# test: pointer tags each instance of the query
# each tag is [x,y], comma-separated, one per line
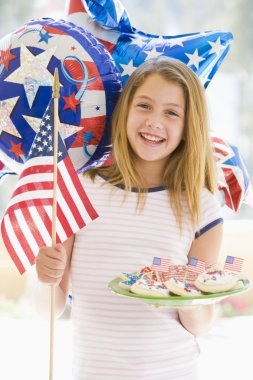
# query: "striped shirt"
[116,338]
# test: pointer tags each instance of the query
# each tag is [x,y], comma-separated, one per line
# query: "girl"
[155,200]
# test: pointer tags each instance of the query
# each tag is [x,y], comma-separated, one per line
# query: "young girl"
[157,199]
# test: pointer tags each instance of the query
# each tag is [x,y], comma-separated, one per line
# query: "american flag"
[160,264]
[196,265]
[233,263]
[27,222]
[193,269]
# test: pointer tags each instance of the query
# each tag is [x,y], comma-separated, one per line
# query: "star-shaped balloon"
[109,22]
[233,177]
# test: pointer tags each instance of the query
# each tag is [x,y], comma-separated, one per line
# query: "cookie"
[129,279]
[182,288]
[216,281]
[148,287]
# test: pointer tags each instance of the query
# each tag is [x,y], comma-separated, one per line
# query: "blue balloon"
[109,22]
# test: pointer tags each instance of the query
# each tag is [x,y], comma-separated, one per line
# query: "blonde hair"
[191,166]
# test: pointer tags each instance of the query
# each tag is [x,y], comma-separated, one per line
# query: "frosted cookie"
[238,285]
[182,288]
[216,281]
[129,279]
[148,287]
[145,270]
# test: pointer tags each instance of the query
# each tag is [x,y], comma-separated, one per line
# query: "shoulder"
[210,212]
[208,198]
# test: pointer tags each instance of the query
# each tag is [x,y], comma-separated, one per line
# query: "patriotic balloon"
[233,177]
[90,85]
[202,52]
[109,22]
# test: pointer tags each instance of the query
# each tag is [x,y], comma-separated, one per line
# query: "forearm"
[197,320]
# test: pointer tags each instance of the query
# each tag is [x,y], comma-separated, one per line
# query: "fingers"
[50,264]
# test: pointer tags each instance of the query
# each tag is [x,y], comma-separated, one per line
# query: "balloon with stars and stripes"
[109,22]
[89,87]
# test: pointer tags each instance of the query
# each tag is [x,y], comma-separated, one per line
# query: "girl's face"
[155,124]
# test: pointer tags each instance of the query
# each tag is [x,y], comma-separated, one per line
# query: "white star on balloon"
[150,53]
[194,59]
[177,41]
[137,41]
[32,72]
[66,130]
[6,124]
[128,69]
[217,47]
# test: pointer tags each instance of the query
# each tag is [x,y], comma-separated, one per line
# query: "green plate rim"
[113,286]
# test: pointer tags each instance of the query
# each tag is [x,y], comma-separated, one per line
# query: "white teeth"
[151,138]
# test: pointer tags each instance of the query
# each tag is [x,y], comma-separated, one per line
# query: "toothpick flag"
[160,265]
[27,222]
[196,265]
[233,263]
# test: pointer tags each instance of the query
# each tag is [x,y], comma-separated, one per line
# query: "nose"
[153,123]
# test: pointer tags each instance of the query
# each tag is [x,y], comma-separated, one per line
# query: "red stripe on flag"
[34,186]
[10,249]
[64,222]
[70,201]
[22,239]
[83,196]
[36,170]
[35,232]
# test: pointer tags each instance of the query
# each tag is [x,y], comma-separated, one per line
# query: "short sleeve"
[210,213]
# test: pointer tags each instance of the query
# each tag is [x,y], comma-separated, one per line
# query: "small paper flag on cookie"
[160,265]
[196,265]
[233,263]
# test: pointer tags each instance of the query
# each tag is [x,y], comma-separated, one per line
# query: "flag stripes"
[27,223]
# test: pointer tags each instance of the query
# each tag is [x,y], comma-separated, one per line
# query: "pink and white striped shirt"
[117,338]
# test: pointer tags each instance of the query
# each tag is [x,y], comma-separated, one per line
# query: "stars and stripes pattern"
[161,265]
[90,86]
[233,177]
[233,264]
[196,265]
[27,222]
[109,21]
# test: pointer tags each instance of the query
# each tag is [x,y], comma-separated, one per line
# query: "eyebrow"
[144,97]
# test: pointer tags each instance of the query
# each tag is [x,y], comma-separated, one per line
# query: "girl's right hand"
[50,264]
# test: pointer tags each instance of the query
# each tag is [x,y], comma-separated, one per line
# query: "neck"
[152,174]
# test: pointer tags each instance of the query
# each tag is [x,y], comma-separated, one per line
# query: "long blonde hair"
[191,166]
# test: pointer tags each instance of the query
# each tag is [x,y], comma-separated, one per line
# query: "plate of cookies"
[179,286]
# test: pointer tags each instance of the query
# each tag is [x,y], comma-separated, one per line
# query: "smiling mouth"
[151,138]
